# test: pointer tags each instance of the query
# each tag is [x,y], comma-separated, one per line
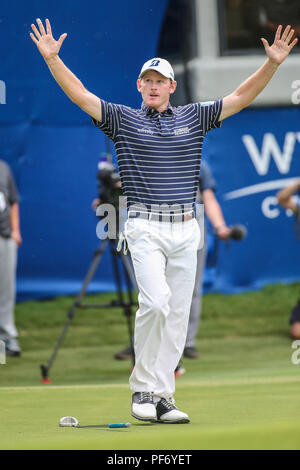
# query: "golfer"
[159,152]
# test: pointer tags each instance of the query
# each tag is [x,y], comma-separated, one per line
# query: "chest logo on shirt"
[182,131]
[145,130]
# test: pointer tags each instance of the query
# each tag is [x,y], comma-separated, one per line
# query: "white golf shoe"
[142,406]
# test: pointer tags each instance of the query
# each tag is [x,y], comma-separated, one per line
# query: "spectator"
[213,211]
[289,198]
[10,239]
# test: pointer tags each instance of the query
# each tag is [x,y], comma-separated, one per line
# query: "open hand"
[282,45]
[45,42]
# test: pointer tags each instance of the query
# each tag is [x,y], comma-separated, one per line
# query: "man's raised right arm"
[70,84]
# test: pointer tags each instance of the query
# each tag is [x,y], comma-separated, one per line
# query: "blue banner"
[254,155]
[50,144]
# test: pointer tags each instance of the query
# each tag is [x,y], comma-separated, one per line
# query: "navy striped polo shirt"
[159,154]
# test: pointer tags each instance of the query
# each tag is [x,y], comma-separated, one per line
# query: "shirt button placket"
[164,129]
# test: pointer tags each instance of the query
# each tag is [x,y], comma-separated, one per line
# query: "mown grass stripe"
[204,383]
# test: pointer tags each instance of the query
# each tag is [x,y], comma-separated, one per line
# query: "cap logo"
[155,63]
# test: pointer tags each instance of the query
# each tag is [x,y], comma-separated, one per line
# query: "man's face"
[156,90]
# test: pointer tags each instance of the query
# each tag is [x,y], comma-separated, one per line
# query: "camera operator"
[289,198]
[109,187]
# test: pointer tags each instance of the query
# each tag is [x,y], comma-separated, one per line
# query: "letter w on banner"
[270,147]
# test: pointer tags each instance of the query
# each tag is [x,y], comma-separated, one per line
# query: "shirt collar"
[153,112]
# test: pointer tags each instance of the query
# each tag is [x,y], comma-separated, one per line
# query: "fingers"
[41,27]
[36,32]
[33,38]
[278,32]
[41,32]
[265,43]
[288,34]
[285,33]
[293,43]
[48,26]
[62,38]
[291,34]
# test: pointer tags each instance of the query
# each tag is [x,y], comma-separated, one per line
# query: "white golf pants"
[164,257]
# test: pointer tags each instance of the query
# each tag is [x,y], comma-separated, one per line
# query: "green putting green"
[241,393]
[228,414]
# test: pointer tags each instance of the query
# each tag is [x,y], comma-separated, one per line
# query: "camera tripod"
[117,258]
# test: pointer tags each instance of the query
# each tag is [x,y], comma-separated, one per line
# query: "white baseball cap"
[159,65]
